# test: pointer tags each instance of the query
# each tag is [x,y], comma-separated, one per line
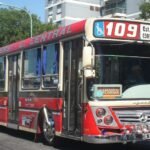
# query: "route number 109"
[121,30]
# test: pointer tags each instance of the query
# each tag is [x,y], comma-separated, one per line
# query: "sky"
[34,6]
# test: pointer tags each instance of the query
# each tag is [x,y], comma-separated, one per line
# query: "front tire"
[49,130]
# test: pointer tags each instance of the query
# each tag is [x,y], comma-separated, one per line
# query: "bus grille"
[133,116]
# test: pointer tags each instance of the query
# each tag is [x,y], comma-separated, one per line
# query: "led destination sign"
[122,30]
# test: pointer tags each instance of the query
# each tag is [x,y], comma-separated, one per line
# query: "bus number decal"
[132,28]
[121,30]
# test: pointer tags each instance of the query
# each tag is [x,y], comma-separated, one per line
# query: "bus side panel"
[3,101]
[3,116]
[29,105]
[89,124]
[3,111]
[58,121]
[28,120]
[54,104]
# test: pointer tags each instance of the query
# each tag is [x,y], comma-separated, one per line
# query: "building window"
[97,9]
[50,19]
[32,68]
[92,8]
[112,7]
[59,9]
[50,65]
[2,73]
[50,11]
[58,16]
[50,1]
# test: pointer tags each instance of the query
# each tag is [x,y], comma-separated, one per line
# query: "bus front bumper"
[116,138]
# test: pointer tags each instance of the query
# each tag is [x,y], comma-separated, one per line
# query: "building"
[126,8]
[64,12]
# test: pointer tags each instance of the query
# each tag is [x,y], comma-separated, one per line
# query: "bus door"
[13,83]
[72,88]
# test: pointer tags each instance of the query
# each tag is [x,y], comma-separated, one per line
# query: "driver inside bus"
[136,76]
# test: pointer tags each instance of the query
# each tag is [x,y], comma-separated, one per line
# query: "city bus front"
[117,82]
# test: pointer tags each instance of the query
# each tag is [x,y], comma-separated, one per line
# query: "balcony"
[51,2]
[115,10]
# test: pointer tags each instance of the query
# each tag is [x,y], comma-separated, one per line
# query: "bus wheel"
[49,131]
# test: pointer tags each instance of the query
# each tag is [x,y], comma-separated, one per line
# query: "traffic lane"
[16,140]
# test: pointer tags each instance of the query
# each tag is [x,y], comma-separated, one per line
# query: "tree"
[145,10]
[15,26]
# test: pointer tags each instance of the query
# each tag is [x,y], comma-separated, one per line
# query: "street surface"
[16,140]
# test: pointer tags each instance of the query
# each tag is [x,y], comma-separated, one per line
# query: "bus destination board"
[122,30]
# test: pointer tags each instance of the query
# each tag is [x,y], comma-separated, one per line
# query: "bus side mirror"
[88,57]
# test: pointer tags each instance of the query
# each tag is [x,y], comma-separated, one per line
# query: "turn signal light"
[100,112]
[108,120]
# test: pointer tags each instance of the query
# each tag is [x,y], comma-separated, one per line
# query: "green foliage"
[15,26]
[145,10]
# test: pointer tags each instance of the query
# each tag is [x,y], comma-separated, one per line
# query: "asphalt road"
[16,140]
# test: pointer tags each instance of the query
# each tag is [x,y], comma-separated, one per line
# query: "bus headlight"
[108,120]
[100,112]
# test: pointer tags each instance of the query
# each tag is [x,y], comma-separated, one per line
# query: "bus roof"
[45,37]
[84,26]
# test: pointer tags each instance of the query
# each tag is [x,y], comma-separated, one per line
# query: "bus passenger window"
[2,73]
[32,69]
[50,65]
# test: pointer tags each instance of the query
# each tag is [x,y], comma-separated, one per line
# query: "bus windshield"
[127,64]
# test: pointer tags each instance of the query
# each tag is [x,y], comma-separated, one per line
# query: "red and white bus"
[89,81]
